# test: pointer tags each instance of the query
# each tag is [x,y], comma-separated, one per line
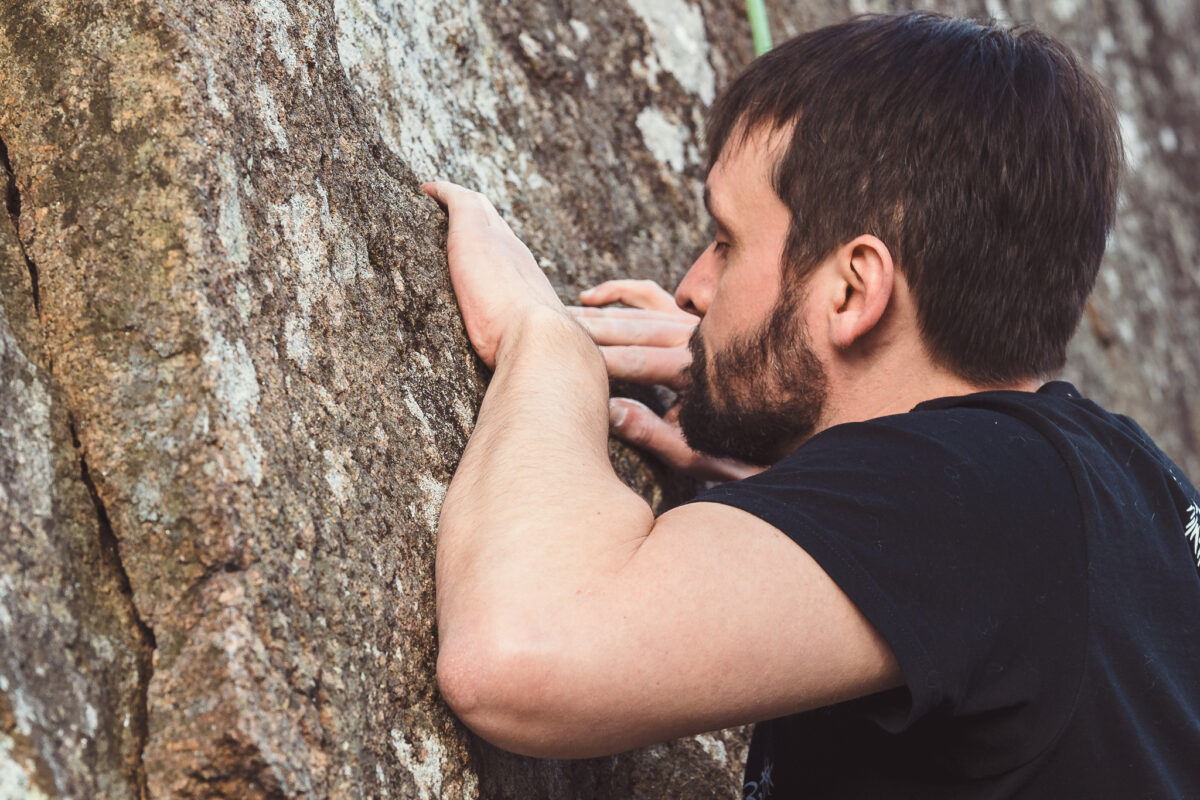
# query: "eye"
[719,247]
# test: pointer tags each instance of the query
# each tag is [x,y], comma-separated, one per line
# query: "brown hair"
[986,159]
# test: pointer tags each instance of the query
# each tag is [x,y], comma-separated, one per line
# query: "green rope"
[760,29]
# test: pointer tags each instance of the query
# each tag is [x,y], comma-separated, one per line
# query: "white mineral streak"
[1136,148]
[215,93]
[237,391]
[436,76]
[27,461]
[245,303]
[435,495]
[470,786]
[6,620]
[14,778]
[296,343]
[714,747]
[237,386]
[1065,10]
[350,261]
[28,711]
[323,256]
[269,115]
[231,228]
[25,436]
[276,19]
[680,42]
[665,139]
[337,477]
[582,31]
[417,412]
[997,11]
[464,415]
[147,500]
[425,765]
[300,221]
[647,71]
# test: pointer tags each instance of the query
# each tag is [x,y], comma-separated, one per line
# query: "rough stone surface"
[234,385]
[74,657]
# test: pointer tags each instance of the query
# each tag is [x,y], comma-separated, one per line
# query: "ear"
[864,275]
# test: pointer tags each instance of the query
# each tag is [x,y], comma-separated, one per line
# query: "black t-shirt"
[1032,561]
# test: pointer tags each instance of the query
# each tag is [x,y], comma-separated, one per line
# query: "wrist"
[544,328]
[549,342]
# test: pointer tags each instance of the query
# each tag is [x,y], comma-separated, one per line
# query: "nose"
[695,291]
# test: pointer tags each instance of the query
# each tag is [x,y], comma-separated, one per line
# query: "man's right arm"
[571,622]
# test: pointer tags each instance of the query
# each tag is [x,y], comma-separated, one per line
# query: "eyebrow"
[708,206]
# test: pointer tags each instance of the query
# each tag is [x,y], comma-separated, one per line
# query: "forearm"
[535,515]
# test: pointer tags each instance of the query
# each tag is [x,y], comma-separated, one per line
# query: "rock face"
[234,384]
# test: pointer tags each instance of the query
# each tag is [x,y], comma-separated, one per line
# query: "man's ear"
[865,275]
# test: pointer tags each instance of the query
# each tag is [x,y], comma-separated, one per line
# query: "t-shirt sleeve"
[957,533]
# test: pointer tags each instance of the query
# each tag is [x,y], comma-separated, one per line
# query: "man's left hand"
[496,279]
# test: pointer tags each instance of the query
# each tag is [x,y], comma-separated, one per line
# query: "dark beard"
[770,391]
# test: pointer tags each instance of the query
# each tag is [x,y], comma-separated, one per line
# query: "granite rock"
[234,383]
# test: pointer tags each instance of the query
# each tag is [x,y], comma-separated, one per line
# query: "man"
[954,581]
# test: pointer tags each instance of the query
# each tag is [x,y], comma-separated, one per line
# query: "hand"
[496,279]
[647,343]
[636,424]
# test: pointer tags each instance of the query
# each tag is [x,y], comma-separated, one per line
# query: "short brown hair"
[986,159]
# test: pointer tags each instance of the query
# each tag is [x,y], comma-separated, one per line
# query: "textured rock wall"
[233,383]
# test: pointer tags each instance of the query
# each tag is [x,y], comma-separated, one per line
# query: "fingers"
[636,424]
[496,279]
[639,294]
[651,365]
[621,312]
[640,346]
[467,209]
[653,331]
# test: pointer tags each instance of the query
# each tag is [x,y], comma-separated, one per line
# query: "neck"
[897,387]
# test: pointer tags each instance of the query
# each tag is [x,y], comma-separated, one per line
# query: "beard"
[759,397]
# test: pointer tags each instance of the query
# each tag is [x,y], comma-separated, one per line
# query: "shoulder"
[968,461]
[956,531]
[968,432]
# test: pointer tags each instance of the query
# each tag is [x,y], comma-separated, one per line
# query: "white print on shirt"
[761,788]
[1191,528]
[1192,531]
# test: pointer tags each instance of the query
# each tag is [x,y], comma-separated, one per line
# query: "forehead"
[739,183]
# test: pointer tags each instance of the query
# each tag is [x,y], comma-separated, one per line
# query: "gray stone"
[234,382]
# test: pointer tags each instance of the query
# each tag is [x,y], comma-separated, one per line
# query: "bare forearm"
[535,528]
[535,513]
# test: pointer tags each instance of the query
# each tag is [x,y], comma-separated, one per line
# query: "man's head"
[984,160]
[756,386]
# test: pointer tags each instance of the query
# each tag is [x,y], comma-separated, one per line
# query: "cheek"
[719,325]
[747,303]
[745,291]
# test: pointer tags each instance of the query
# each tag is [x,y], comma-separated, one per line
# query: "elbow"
[461,680]
[501,691]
